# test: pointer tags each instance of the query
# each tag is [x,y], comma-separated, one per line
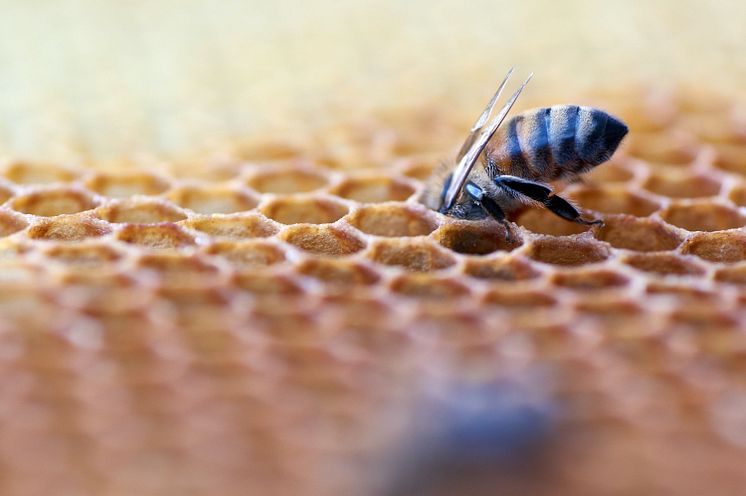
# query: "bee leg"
[488,205]
[542,194]
[535,191]
[562,208]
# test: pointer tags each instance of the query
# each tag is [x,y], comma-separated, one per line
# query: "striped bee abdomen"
[553,143]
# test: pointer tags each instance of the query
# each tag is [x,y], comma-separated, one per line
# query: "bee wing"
[474,131]
[476,141]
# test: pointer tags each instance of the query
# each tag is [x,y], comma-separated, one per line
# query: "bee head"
[467,204]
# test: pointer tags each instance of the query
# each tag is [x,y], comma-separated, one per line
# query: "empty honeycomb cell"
[470,238]
[140,212]
[374,189]
[287,181]
[197,299]
[676,184]
[35,173]
[361,335]
[309,362]
[664,264]
[212,200]
[637,234]
[428,287]
[304,210]
[234,226]
[703,216]
[194,294]
[155,236]
[663,148]
[323,240]
[173,269]
[69,228]
[92,254]
[590,279]
[519,298]
[126,184]
[737,194]
[357,311]
[290,328]
[705,316]
[11,223]
[203,316]
[568,250]
[99,294]
[609,308]
[611,172]
[683,293]
[246,254]
[735,274]
[339,272]
[726,247]
[420,170]
[393,220]
[542,221]
[731,158]
[502,269]
[419,255]
[51,202]
[614,200]
[450,328]
[264,284]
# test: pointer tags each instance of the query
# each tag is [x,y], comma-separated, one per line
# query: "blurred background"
[95,81]
[202,408]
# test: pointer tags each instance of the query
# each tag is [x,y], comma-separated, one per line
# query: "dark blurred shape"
[478,439]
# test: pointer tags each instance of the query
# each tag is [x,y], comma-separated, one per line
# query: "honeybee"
[519,159]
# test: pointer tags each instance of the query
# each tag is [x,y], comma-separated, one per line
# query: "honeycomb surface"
[264,325]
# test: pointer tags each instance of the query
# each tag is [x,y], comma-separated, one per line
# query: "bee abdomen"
[597,135]
[552,143]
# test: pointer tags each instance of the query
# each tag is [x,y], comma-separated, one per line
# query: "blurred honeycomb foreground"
[194,304]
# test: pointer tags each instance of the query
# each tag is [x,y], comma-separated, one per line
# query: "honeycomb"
[268,324]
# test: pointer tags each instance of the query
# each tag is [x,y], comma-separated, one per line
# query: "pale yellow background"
[95,80]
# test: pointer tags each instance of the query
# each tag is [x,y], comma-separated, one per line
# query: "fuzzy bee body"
[531,149]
